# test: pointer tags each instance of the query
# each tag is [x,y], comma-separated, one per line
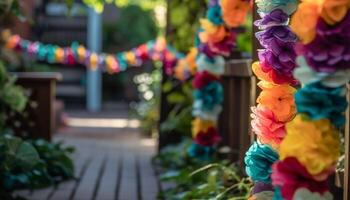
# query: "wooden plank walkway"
[111,164]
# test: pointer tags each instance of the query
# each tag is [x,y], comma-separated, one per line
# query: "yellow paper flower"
[279,99]
[199,125]
[208,27]
[314,143]
[93,61]
[130,58]
[59,55]
[81,53]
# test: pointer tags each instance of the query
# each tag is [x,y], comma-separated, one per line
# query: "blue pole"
[94,36]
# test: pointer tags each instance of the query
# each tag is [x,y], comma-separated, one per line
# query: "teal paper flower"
[214,15]
[200,110]
[321,102]
[215,65]
[200,152]
[210,95]
[259,159]
[266,6]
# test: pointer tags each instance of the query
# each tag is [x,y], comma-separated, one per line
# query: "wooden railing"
[37,120]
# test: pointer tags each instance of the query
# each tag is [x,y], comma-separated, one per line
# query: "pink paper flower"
[208,138]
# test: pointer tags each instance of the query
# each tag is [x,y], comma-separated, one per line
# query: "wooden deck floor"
[111,164]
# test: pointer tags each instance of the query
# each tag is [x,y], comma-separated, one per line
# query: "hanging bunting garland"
[156,50]
[215,40]
[276,105]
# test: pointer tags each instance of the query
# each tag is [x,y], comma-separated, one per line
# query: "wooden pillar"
[239,95]
[346,185]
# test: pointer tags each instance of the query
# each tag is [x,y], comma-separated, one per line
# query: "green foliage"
[98,5]
[183,24]
[244,40]
[195,179]
[11,7]
[136,26]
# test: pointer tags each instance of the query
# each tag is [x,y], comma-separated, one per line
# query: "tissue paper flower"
[268,74]
[266,195]
[314,143]
[208,26]
[259,159]
[330,50]
[282,35]
[266,126]
[201,125]
[306,75]
[210,95]
[216,36]
[290,175]
[234,12]
[304,193]
[334,11]
[320,102]
[214,14]
[202,79]
[207,138]
[201,111]
[191,60]
[261,187]
[215,65]
[304,20]
[279,99]
[281,58]
[200,152]
[275,18]
[180,71]
[224,46]
[266,6]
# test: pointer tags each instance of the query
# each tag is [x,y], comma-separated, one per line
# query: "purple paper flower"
[330,50]
[274,18]
[281,59]
[282,33]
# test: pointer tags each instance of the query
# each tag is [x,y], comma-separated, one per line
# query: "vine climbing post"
[93,74]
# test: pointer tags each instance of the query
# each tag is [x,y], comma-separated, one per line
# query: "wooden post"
[346,184]
[37,120]
[239,95]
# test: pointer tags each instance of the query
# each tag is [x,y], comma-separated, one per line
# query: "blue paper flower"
[200,152]
[259,159]
[277,194]
[210,96]
[214,15]
[321,102]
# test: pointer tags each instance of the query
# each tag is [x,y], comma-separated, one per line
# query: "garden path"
[112,159]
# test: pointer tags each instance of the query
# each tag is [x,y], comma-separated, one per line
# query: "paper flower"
[266,6]
[201,125]
[261,187]
[279,99]
[275,18]
[266,126]
[202,79]
[200,152]
[224,46]
[330,50]
[334,11]
[320,102]
[201,111]
[305,19]
[210,95]
[303,193]
[281,58]
[213,65]
[314,143]
[306,75]
[234,12]
[191,60]
[281,35]
[266,195]
[259,159]
[207,138]
[268,74]
[180,71]
[214,14]
[290,175]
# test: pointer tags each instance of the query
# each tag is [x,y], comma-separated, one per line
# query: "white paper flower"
[305,74]
[305,194]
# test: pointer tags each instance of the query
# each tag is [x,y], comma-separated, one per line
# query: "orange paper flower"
[279,99]
[334,11]
[304,20]
[191,60]
[234,12]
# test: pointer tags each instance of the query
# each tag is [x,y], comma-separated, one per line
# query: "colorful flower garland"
[276,105]
[311,148]
[216,38]
[156,50]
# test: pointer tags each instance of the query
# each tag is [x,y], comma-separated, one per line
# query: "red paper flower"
[208,138]
[202,79]
[290,175]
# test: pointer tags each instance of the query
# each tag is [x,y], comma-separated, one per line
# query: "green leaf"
[27,157]
[176,98]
